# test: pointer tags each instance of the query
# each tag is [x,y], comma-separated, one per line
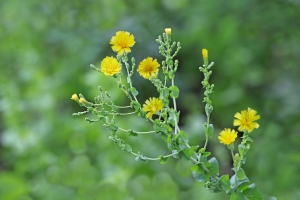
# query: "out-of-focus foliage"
[46,48]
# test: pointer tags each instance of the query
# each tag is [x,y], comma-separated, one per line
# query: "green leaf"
[136,105]
[209,130]
[113,128]
[224,182]
[198,169]
[243,186]
[184,136]
[237,196]
[163,160]
[132,133]
[171,75]
[241,174]
[206,154]
[165,93]
[214,165]
[252,193]
[241,148]
[157,127]
[133,91]
[200,177]
[174,91]
[141,157]
[127,148]
[189,152]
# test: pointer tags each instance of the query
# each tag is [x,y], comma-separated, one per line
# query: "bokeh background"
[47,46]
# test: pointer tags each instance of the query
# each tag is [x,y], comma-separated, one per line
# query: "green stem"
[137,132]
[153,159]
[206,136]
[130,82]
[175,109]
[119,114]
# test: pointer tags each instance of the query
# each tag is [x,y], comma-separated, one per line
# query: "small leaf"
[174,91]
[113,128]
[237,196]
[165,93]
[133,91]
[210,130]
[184,136]
[224,182]
[200,177]
[163,160]
[157,127]
[198,169]
[206,154]
[188,152]
[127,148]
[132,133]
[252,193]
[214,165]
[241,148]
[241,174]
[135,105]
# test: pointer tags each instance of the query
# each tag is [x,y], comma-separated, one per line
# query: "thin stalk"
[119,114]
[137,132]
[153,159]
[175,108]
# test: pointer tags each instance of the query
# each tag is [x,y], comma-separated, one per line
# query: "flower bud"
[82,100]
[168,31]
[74,97]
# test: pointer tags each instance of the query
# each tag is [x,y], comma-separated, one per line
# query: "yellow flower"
[148,68]
[74,97]
[168,31]
[205,54]
[152,106]
[82,100]
[245,120]
[122,42]
[110,66]
[227,136]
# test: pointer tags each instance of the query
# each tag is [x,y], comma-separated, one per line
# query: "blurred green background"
[47,46]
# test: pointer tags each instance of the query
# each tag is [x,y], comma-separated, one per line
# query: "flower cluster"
[246,122]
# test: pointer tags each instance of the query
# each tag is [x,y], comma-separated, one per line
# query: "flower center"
[123,44]
[149,68]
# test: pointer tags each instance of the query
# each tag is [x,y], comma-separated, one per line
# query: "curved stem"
[118,114]
[95,104]
[153,159]
[137,132]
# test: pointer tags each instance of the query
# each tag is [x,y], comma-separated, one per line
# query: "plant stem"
[137,132]
[175,109]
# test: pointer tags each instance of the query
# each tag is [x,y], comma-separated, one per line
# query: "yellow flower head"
[148,68]
[227,136]
[168,31]
[74,97]
[122,42]
[246,120]
[82,100]
[110,66]
[205,54]
[152,106]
